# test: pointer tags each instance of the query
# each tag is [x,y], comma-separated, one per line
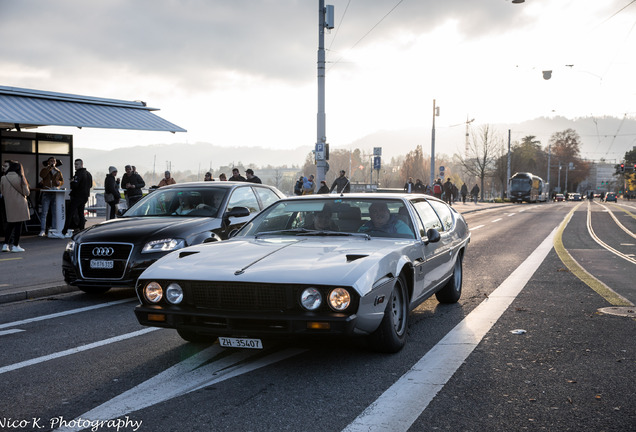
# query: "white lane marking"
[201,370]
[511,214]
[60,314]
[75,350]
[496,220]
[7,332]
[477,227]
[400,405]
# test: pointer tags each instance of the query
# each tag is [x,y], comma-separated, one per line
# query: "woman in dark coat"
[111,186]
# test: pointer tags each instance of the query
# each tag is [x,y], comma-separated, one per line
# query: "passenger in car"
[382,220]
[323,222]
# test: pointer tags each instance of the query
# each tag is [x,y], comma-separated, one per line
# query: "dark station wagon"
[114,253]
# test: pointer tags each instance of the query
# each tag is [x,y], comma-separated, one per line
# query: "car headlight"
[311,299]
[70,246]
[153,292]
[163,245]
[174,293]
[339,299]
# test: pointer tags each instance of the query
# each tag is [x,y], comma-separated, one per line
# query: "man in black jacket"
[81,185]
[133,185]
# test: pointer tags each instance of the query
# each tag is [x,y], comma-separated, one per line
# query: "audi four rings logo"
[103,251]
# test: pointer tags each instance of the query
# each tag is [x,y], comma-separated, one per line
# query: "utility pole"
[508,170]
[435,113]
[325,20]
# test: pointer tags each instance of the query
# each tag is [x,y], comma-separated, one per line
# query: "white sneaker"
[42,234]
[69,234]
[5,248]
[17,249]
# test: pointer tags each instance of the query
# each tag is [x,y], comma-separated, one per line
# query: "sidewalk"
[41,264]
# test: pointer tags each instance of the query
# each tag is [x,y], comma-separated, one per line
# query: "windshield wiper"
[334,233]
[286,231]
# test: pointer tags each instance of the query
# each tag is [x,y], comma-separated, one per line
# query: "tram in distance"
[527,187]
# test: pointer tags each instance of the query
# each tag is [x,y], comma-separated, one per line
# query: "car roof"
[214,184]
[363,196]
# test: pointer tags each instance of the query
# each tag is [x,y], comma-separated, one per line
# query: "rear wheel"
[93,290]
[390,336]
[452,291]
[195,337]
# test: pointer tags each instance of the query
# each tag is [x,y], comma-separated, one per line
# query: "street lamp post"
[435,114]
[325,20]
[508,169]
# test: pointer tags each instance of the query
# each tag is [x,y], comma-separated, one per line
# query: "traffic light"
[622,168]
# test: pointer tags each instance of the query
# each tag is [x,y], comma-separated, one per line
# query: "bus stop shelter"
[23,110]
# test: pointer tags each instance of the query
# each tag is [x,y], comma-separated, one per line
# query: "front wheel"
[93,290]
[390,336]
[452,291]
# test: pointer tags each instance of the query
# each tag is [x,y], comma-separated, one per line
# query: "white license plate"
[240,343]
[102,264]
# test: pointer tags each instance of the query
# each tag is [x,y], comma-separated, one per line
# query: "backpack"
[437,188]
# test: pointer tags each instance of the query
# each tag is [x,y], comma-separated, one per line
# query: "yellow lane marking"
[10,259]
[611,296]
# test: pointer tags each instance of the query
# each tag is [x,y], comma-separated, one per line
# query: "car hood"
[319,260]
[138,228]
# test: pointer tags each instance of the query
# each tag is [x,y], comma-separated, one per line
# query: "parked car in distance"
[610,196]
[574,197]
[348,265]
[559,197]
[114,253]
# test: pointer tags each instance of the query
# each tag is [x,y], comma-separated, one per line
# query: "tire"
[390,336]
[91,290]
[452,291]
[194,337]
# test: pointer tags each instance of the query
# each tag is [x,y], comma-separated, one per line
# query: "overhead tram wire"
[369,32]
[344,14]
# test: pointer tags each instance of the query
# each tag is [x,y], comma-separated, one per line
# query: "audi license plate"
[101,264]
[240,343]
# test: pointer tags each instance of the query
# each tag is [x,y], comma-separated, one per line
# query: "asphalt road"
[526,348]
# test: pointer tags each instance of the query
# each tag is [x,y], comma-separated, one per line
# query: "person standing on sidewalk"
[166,180]
[464,192]
[81,185]
[133,185]
[52,179]
[111,186]
[14,187]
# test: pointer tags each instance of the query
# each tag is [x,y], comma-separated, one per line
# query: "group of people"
[446,191]
[15,190]
[307,185]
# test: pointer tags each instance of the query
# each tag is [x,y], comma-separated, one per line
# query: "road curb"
[33,292]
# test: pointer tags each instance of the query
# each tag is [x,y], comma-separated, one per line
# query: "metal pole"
[321,134]
[508,170]
[548,181]
[433,147]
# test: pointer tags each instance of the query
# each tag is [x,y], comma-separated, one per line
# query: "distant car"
[115,252]
[610,196]
[574,197]
[352,265]
[559,197]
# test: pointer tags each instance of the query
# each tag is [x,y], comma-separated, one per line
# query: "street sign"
[377,151]
[377,162]
[441,169]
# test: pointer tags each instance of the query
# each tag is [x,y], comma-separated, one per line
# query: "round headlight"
[339,299]
[174,293]
[311,299]
[153,292]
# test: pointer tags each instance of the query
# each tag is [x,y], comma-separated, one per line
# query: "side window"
[267,196]
[243,197]
[444,214]
[428,216]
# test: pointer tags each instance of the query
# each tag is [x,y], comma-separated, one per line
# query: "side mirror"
[433,236]
[235,212]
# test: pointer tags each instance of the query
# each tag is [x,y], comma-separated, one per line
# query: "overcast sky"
[243,72]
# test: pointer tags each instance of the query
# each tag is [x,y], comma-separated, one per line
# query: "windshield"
[179,202]
[331,216]
[520,185]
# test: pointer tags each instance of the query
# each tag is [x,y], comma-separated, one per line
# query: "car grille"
[120,255]
[241,296]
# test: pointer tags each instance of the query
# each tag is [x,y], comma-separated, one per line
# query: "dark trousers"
[13,229]
[75,215]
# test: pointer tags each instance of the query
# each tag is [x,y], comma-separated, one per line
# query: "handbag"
[109,197]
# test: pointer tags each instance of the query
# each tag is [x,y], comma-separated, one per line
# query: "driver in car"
[382,220]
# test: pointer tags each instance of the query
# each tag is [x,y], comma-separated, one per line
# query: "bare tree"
[481,157]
